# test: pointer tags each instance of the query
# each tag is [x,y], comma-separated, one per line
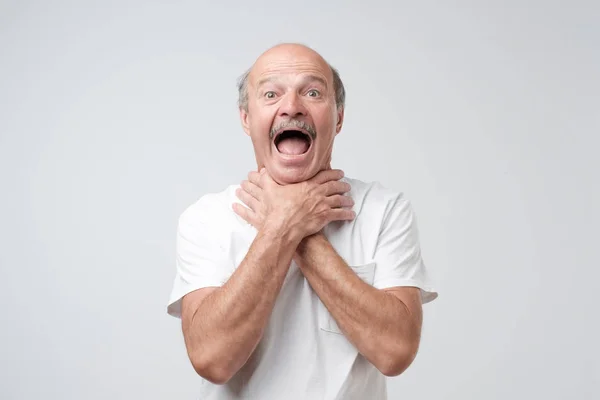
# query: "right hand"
[301,209]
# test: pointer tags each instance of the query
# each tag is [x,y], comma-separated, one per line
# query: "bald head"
[288,52]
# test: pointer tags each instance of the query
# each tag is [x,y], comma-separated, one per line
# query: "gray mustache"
[293,124]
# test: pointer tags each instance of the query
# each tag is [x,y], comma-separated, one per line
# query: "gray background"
[115,116]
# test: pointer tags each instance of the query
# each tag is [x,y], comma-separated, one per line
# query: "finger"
[340,201]
[245,213]
[335,187]
[247,199]
[328,175]
[341,214]
[252,189]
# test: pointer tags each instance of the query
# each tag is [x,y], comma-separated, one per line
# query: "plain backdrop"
[116,115]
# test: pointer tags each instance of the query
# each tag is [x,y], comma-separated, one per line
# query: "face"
[292,116]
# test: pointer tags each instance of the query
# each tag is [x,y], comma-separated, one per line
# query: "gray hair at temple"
[338,87]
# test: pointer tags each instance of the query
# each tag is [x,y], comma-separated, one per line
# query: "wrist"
[278,230]
[308,242]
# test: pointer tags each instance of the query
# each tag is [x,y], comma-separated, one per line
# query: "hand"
[301,209]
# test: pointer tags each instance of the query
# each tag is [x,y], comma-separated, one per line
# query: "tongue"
[293,146]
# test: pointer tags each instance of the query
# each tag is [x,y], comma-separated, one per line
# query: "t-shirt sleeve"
[201,260]
[398,252]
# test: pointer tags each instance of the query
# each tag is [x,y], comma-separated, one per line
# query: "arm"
[383,321]
[384,325]
[222,326]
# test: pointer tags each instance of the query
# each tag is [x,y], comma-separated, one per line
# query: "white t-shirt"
[303,354]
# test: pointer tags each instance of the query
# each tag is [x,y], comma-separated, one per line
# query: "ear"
[245,119]
[340,120]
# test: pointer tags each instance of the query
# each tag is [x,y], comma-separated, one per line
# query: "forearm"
[378,323]
[228,324]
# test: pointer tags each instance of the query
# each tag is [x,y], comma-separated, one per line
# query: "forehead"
[290,62]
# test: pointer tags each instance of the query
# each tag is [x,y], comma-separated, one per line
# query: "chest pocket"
[326,322]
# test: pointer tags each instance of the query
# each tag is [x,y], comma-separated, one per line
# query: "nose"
[292,106]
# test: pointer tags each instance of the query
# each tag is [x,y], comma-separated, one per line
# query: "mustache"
[293,124]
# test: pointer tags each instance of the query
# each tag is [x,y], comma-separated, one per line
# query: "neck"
[326,167]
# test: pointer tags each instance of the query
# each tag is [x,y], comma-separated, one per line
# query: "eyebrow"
[305,79]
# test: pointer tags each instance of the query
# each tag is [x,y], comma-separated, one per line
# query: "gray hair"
[338,87]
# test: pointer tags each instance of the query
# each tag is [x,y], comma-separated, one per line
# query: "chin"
[287,176]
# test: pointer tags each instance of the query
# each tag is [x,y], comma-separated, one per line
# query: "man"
[299,283]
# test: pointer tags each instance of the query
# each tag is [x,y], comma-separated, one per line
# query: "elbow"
[394,363]
[394,367]
[211,370]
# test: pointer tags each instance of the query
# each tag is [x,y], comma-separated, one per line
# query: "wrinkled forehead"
[290,65]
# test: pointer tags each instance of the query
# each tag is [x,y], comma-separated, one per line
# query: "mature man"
[299,283]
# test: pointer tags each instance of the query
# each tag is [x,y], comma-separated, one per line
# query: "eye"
[313,93]
[270,95]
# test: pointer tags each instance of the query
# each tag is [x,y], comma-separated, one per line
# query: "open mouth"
[292,142]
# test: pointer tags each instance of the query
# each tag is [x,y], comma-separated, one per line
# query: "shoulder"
[371,195]
[210,209]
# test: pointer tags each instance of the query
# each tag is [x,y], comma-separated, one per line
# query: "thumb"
[265,178]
